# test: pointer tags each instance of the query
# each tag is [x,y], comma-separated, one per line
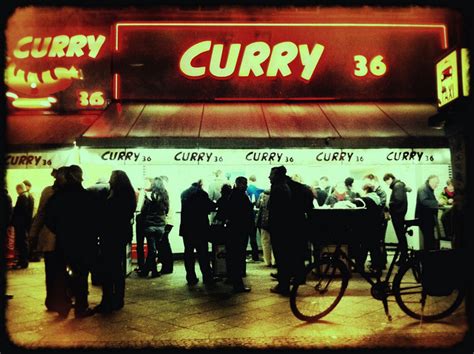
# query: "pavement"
[164,313]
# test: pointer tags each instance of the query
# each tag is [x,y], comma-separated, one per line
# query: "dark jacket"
[195,208]
[301,199]
[370,220]
[426,205]
[71,214]
[153,213]
[279,218]
[289,202]
[398,199]
[119,210]
[321,196]
[239,212]
[100,193]
[23,212]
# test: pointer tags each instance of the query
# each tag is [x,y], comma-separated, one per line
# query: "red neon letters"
[252,57]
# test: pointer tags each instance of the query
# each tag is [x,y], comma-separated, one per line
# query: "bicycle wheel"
[409,295]
[322,290]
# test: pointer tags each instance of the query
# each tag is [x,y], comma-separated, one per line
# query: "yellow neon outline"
[239,24]
[32,103]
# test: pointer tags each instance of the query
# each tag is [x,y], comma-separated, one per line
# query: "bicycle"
[327,279]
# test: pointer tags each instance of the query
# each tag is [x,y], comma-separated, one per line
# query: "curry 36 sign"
[207,61]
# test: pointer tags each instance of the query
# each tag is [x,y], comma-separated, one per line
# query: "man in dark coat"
[427,211]
[240,221]
[21,221]
[398,206]
[100,191]
[194,228]
[289,202]
[71,214]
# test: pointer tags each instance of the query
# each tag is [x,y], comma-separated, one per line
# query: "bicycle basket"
[441,271]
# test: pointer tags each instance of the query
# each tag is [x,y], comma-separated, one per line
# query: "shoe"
[63,313]
[84,313]
[155,274]
[278,290]
[274,275]
[142,273]
[192,282]
[103,308]
[20,266]
[242,289]
[118,305]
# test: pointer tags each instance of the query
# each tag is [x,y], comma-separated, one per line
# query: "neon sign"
[271,61]
[41,66]
[452,77]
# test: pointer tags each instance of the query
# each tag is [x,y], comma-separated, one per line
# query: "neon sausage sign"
[41,66]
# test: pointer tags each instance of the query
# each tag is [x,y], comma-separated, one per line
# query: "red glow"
[437,27]
[275,60]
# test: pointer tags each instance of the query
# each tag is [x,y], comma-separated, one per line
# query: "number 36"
[376,66]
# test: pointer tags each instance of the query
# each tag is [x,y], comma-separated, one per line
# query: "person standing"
[139,231]
[371,241]
[398,206]
[384,212]
[163,248]
[427,211]
[153,218]
[100,190]
[253,193]
[21,220]
[240,222]
[54,265]
[72,216]
[262,224]
[194,228]
[118,213]
[216,185]
[446,200]
[33,254]
[288,204]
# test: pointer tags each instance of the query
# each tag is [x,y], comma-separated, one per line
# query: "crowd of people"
[82,231]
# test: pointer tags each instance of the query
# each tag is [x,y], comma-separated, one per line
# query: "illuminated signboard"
[263,157]
[452,76]
[212,61]
[50,68]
